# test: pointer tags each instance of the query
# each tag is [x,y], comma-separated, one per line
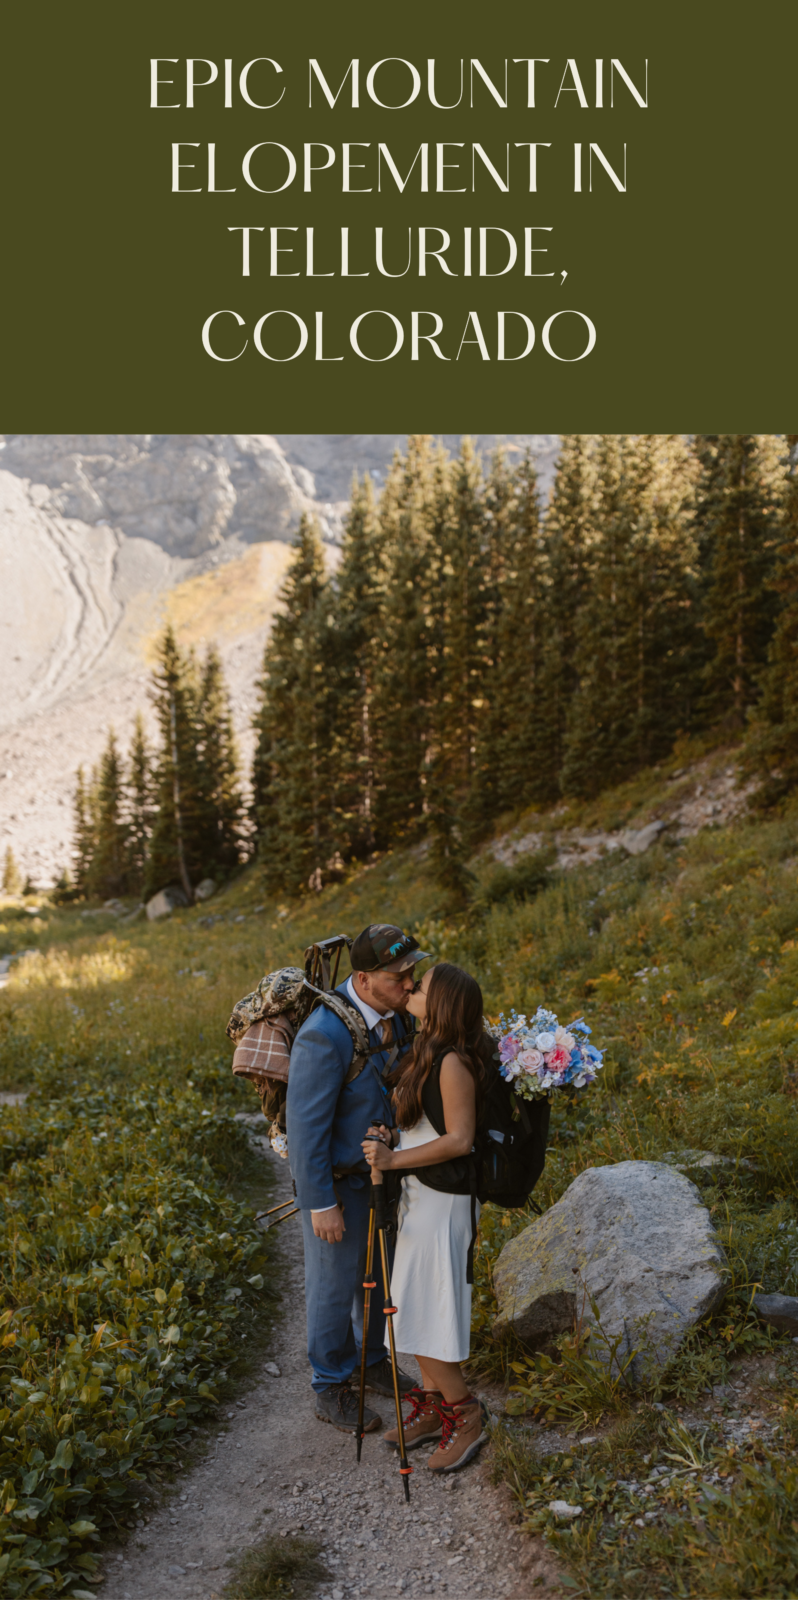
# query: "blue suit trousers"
[334,1276]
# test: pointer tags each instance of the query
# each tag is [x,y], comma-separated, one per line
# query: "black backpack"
[509,1148]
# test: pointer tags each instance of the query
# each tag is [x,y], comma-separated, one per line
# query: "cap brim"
[409,959]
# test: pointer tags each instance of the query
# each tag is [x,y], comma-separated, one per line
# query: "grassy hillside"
[123,1241]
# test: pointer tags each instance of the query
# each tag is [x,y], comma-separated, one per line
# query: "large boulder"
[165,902]
[633,1239]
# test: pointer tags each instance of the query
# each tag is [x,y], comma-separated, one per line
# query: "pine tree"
[413,514]
[175,852]
[293,777]
[84,833]
[446,857]
[595,708]
[567,572]
[352,673]
[773,741]
[12,877]
[637,638]
[465,573]
[736,507]
[508,772]
[484,797]
[106,873]
[220,839]
[140,807]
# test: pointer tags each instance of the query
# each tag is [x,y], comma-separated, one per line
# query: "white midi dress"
[428,1284]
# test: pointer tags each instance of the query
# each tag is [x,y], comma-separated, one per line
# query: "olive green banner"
[432,217]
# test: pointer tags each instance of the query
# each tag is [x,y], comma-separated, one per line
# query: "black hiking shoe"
[339,1405]
[379,1377]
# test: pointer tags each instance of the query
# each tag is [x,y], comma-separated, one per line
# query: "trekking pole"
[368,1285]
[272,1209]
[283,1218]
[382,1223]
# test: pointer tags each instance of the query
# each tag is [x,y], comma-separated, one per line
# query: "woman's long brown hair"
[453,1022]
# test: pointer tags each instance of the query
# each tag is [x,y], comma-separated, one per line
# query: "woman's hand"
[379,1130]
[378,1155]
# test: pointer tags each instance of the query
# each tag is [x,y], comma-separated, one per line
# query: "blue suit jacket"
[326,1118]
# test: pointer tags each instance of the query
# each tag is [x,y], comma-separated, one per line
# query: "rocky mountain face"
[105,536]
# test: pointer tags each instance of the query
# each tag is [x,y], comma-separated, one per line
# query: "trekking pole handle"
[376,1173]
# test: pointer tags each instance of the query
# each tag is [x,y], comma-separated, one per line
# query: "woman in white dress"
[436,1101]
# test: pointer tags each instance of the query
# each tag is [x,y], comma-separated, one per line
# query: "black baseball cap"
[383,946]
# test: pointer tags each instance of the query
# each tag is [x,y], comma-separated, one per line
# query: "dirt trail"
[274,1467]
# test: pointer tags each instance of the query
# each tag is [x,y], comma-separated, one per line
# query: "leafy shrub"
[128,1276]
[521,881]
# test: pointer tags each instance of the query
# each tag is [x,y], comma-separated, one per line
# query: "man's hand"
[329,1225]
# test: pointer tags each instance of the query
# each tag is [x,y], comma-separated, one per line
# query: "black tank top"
[448,1177]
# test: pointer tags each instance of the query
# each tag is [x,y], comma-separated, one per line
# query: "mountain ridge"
[103,537]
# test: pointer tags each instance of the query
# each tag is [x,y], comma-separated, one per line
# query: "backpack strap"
[355,1024]
[353,1020]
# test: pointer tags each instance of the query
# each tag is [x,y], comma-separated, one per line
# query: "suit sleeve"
[318,1069]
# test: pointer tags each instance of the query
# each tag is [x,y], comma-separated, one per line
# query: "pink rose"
[558,1059]
[530,1060]
[565,1039]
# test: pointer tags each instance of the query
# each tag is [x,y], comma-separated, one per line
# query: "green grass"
[277,1567]
[721,1516]
[685,961]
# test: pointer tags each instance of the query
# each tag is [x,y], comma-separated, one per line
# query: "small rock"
[637,840]
[272,1368]
[205,889]
[778,1310]
[562,1510]
[177,1572]
[165,902]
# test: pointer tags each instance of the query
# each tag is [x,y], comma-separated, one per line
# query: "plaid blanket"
[264,1051]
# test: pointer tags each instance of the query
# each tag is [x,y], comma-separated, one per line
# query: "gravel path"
[274,1467]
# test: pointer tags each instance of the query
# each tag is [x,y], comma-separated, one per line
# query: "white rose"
[545,1042]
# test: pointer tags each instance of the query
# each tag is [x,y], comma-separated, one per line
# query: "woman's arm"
[458,1094]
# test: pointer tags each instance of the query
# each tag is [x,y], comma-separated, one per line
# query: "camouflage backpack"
[264,1024]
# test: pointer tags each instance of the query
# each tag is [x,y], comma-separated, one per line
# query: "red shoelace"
[422,1402]
[452,1418]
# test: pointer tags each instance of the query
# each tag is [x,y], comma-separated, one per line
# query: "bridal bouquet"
[536,1054]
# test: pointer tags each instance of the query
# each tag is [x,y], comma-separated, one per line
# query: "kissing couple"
[411,1110]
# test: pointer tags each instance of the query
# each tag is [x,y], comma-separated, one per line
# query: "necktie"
[386,1030]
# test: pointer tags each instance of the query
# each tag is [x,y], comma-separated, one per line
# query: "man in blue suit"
[334,1094]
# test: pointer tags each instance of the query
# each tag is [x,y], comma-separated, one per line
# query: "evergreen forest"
[474,652]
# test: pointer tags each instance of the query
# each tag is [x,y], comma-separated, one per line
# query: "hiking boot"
[424,1421]
[464,1432]
[379,1377]
[339,1405]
